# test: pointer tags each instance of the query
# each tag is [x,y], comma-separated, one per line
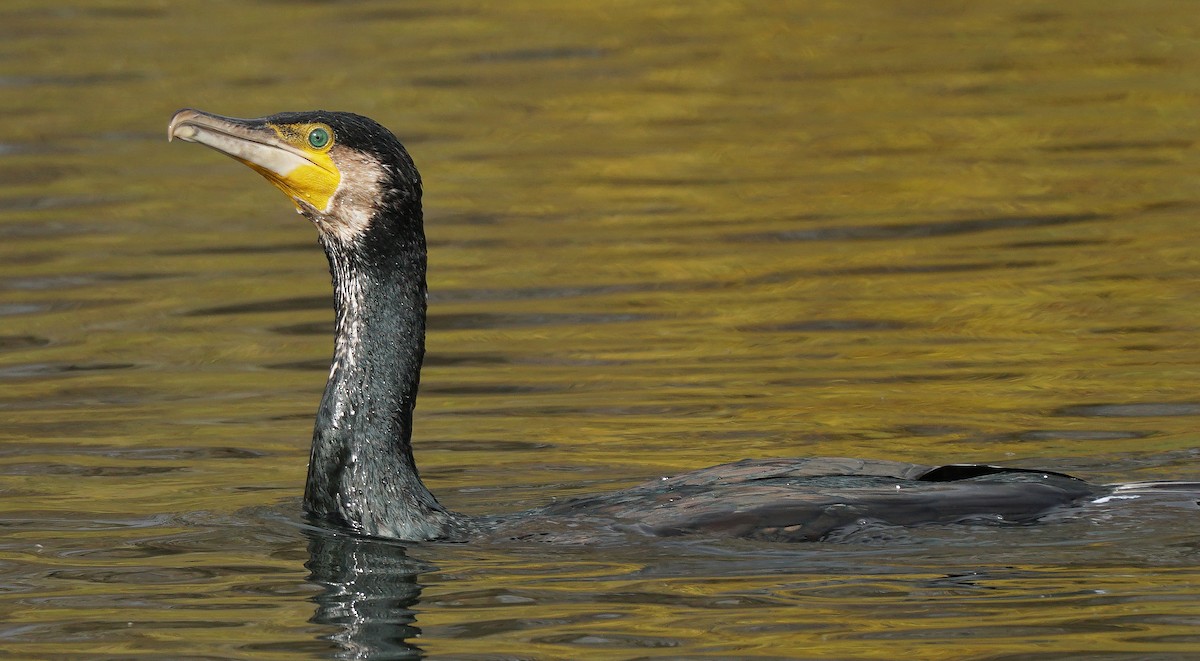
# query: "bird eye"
[318,137]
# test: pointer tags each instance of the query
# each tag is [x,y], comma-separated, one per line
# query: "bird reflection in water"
[369,590]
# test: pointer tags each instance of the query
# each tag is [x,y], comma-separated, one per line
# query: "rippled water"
[662,235]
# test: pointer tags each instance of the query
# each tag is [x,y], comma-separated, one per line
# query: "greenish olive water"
[662,236]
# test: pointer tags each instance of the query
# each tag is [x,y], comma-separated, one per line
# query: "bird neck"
[361,473]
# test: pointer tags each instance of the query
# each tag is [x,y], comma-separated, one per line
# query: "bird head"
[344,172]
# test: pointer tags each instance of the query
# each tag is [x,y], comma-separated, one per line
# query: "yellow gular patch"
[313,178]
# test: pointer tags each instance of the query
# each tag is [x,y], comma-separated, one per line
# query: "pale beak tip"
[179,127]
[184,132]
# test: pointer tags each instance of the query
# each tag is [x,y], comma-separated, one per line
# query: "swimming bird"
[358,186]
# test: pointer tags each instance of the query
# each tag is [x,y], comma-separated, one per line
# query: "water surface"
[662,236]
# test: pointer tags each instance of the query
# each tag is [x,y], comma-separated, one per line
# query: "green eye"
[318,138]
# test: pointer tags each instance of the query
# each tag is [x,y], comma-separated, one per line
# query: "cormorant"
[357,184]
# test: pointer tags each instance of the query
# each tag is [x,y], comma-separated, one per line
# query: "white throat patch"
[348,215]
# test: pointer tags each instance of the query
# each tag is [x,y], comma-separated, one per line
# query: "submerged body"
[807,500]
[359,187]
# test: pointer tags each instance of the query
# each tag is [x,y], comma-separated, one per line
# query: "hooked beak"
[306,178]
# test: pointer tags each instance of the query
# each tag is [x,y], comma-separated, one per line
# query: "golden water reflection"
[663,235]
